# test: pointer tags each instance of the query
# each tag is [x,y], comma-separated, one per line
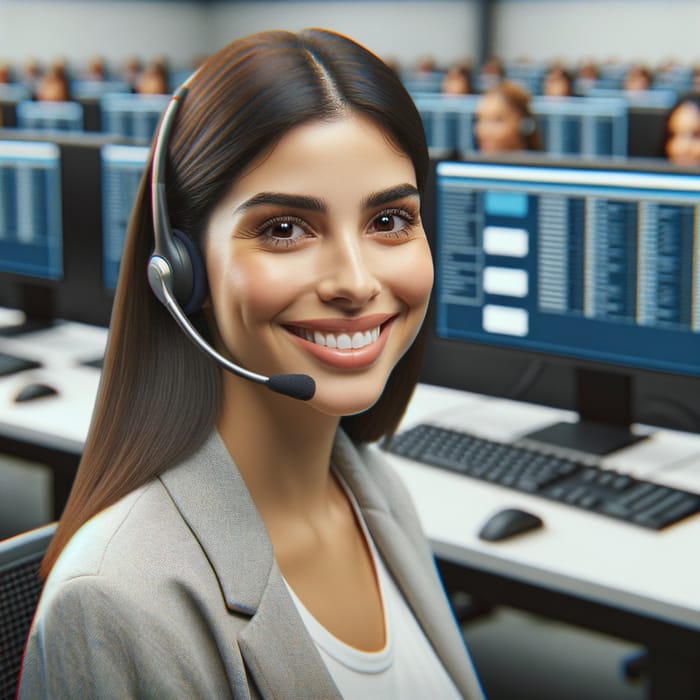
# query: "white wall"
[631,30]
[650,30]
[79,29]
[403,31]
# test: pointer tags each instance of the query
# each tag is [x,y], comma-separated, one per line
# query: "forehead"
[494,102]
[350,152]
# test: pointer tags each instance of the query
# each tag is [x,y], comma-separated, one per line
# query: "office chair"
[19,591]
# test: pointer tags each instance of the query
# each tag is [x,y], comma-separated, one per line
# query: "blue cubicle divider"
[131,115]
[577,126]
[582,126]
[50,116]
[93,89]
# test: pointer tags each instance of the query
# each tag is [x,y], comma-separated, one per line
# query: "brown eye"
[284,229]
[392,223]
[385,222]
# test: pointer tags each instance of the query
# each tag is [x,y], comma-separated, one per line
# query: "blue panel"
[505,203]
[122,168]
[612,262]
[31,241]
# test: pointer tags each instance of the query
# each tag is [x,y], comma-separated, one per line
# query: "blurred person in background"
[504,120]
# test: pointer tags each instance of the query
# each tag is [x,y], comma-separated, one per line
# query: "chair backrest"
[20,587]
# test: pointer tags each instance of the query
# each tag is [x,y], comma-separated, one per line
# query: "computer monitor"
[122,168]
[31,233]
[576,287]
[51,228]
[50,116]
[132,116]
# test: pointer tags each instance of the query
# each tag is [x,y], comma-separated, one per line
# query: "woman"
[221,539]
[682,132]
[504,121]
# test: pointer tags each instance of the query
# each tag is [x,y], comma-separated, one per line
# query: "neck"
[281,446]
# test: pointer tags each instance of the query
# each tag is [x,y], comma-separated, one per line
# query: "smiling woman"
[223,540]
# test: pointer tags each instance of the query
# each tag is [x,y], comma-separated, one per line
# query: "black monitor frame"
[607,398]
[80,295]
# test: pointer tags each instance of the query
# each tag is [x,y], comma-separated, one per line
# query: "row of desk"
[580,568]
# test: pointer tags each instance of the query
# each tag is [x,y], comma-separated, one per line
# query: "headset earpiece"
[191,270]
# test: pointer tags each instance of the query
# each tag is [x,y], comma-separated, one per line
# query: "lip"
[354,358]
[342,325]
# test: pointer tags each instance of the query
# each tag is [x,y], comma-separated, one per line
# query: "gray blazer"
[173,592]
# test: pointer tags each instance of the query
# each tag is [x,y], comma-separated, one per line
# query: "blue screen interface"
[31,238]
[600,265]
[122,167]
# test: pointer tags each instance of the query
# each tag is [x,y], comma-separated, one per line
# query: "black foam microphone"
[176,272]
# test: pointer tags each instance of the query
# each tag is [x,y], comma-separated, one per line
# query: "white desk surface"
[62,420]
[576,552]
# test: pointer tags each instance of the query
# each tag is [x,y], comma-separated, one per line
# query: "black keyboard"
[11,364]
[557,478]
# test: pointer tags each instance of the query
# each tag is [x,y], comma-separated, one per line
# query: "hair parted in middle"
[159,394]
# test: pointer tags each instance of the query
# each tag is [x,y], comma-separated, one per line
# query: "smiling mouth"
[339,341]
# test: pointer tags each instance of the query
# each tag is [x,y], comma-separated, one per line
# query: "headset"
[176,271]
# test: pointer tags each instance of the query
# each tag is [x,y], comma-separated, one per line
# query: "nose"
[348,276]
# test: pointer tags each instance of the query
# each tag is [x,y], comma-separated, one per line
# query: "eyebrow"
[300,201]
[377,199]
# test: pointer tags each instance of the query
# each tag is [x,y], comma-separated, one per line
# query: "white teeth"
[342,341]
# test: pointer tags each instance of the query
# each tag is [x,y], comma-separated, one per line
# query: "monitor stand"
[604,402]
[37,304]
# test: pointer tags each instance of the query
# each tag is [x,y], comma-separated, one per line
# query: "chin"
[345,398]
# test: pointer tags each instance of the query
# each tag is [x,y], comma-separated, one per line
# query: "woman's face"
[318,262]
[683,144]
[497,125]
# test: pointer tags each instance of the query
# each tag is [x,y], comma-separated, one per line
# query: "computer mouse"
[509,523]
[36,390]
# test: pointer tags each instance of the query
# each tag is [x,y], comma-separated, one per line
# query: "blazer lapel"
[212,498]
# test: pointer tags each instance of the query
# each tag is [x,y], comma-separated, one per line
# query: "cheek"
[411,276]
[250,289]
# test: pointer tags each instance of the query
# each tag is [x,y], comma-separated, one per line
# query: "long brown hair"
[159,395]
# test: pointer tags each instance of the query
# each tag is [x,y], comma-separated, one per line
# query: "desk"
[51,430]
[580,568]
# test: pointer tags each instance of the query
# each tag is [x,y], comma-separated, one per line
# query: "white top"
[406,668]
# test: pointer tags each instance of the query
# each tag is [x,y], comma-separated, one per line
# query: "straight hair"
[159,395]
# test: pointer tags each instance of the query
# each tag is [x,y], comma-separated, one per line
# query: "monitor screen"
[596,269]
[122,168]
[31,236]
